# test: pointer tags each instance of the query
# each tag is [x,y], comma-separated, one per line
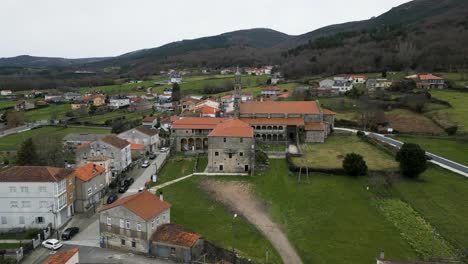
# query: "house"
[36,197]
[6,92]
[90,186]
[188,103]
[271,91]
[358,79]
[166,122]
[95,99]
[55,98]
[139,104]
[327,83]
[208,111]
[105,162]
[64,257]
[73,140]
[378,84]
[129,223]
[71,96]
[208,102]
[150,121]
[176,78]
[428,81]
[148,137]
[341,86]
[23,105]
[191,133]
[177,243]
[231,147]
[119,102]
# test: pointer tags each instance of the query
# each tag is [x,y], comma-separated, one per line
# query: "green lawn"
[12,142]
[440,197]
[457,115]
[9,245]
[202,163]
[120,88]
[7,104]
[272,147]
[101,119]
[331,153]
[176,166]
[47,113]
[331,219]
[447,147]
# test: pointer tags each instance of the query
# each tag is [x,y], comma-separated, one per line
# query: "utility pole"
[233,249]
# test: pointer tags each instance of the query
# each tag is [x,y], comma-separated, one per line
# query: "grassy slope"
[440,196]
[12,142]
[456,115]
[410,122]
[331,219]
[331,154]
[47,113]
[101,119]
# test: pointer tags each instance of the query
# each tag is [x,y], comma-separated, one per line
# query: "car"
[141,189]
[145,164]
[164,149]
[123,188]
[152,156]
[129,181]
[52,244]
[112,198]
[428,157]
[69,233]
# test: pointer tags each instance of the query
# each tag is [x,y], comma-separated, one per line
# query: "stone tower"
[237,93]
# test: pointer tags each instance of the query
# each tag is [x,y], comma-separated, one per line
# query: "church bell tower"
[237,93]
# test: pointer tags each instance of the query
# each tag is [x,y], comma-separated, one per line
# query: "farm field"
[331,154]
[47,113]
[457,115]
[12,142]
[406,121]
[120,88]
[101,119]
[7,104]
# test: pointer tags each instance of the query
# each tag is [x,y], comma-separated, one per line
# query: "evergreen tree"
[27,154]
[354,165]
[412,160]
[176,96]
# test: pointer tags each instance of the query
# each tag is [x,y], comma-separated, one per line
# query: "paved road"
[441,161]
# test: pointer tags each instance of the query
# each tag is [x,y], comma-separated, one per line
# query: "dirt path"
[239,197]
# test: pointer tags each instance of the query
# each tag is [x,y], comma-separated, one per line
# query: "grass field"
[331,219]
[439,196]
[452,116]
[9,245]
[460,79]
[12,142]
[407,121]
[7,104]
[47,113]
[272,147]
[101,119]
[119,89]
[177,166]
[450,148]
[331,153]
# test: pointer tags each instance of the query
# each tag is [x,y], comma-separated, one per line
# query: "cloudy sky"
[95,28]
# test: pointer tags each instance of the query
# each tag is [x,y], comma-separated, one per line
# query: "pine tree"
[27,154]
[176,92]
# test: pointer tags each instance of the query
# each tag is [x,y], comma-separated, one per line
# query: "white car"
[145,164]
[164,149]
[52,244]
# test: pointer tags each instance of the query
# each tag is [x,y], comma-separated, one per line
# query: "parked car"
[129,181]
[164,149]
[69,233]
[52,244]
[152,156]
[112,198]
[145,164]
[141,189]
[123,188]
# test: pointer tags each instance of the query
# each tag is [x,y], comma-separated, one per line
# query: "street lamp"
[233,249]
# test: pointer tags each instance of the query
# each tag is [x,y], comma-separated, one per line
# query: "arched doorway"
[269,138]
[191,144]
[198,144]
[205,144]
[183,144]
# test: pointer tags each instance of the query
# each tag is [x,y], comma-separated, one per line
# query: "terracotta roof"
[88,171]
[208,110]
[425,77]
[358,76]
[292,107]
[271,88]
[61,257]
[147,131]
[284,95]
[144,204]
[34,174]
[197,123]
[115,141]
[295,121]
[173,234]
[137,146]
[170,119]
[149,119]
[328,112]
[232,128]
[227,96]
[314,126]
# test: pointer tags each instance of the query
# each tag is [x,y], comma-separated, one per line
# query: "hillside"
[40,62]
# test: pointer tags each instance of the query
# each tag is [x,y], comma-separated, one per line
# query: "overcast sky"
[96,28]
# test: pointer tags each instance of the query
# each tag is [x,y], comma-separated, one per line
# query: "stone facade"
[89,192]
[230,154]
[190,139]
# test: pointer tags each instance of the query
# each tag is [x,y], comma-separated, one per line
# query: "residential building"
[71,96]
[55,98]
[166,123]
[90,186]
[378,84]
[64,257]
[231,147]
[177,243]
[145,136]
[35,197]
[428,81]
[95,99]
[358,79]
[271,91]
[79,105]
[105,162]
[73,140]
[150,121]
[327,83]
[208,111]
[342,86]
[119,102]
[23,105]
[129,223]
[176,78]
[6,92]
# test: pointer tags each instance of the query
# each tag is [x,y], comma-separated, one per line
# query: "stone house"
[90,186]
[145,136]
[191,133]
[23,105]
[231,147]
[105,162]
[428,81]
[129,223]
[176,243]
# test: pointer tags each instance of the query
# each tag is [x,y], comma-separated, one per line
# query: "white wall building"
[117,103]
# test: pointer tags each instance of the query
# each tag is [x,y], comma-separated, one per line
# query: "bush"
[451,130]
[354,165]
[412,160]
[360,134]
[261,158]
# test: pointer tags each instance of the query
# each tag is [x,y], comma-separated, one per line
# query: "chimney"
[94,168]
[382,254]
[161,197]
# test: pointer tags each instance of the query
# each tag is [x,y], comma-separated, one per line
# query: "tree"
[14,119]
[27,154]
[92,109]
[50,151]
[176,96]
[412,160]
[354,165]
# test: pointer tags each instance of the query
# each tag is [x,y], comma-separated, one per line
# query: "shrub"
[360,134]
[412,160]
[354,165]
[451,130]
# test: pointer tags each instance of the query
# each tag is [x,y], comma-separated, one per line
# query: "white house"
[35,197]
[327,83]
[6,92]
[342,86]
[176,78]
[358,79]
[271,91]
[142,135]
[119,102]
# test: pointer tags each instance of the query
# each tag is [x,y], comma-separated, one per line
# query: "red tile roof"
[144,204]
[271,88]
[170,119]
[197,123]
[149,119]
[147,131]
[328,112]
[208,110]
[292,107]
[115,141]
[425,77]
[88,171]
[34,174]
[137,146]
[232,128]
[314,126]
[173,234]
[284,95]
[295,121]
[61,257]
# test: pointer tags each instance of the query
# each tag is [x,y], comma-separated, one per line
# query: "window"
[62,201]
[127,225]
[42,189]
[230,155]
[21,220]
[241,140]
[12,189]
[133,244]
[70,181]
[4,220]
[122,223]
[138,227]
[224,139]
[24,189]
[90,191]
[95,186]
[216,153]
[152,225]
[241,154]
[14,204]
[109,221]
[26,204]
[39,220]
[172,251]
[220,167]
[122,241]
[157,220]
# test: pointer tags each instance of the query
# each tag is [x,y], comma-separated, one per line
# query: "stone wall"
[315,137]
[230,155]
